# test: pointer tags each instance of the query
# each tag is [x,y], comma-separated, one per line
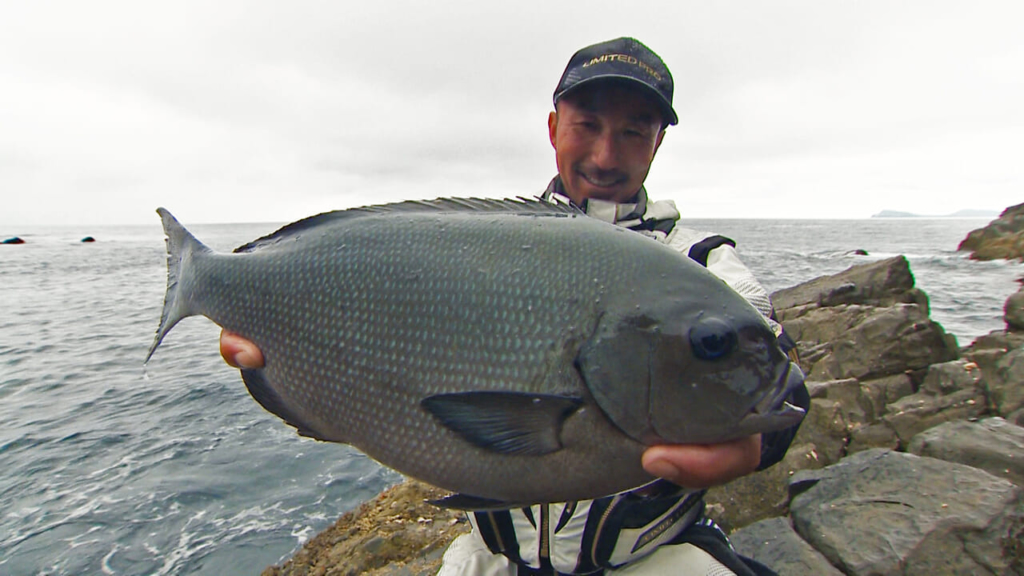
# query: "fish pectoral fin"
[505,422]
[470,503]
[261,390]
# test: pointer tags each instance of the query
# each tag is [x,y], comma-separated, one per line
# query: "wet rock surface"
[909,461]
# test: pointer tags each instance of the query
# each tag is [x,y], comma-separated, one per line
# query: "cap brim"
[666,107]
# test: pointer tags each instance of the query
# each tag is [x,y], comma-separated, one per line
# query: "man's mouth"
[603,179]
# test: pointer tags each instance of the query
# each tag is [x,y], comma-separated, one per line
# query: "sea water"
[108,466]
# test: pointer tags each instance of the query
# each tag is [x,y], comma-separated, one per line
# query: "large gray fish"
[512,351]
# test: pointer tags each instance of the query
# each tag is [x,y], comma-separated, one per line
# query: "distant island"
[958,214]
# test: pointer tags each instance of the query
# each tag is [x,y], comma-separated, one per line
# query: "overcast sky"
[256,111]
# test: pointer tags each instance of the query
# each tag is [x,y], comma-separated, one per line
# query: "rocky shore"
[1002,238]
[910,461]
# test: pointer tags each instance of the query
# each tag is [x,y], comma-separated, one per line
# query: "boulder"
[948,377]
[880,392]
[918,412]
[874,435]
[992,444]
[1013,311]
[1003,238]
[866,322]
[886,341]
[881,512]
[948,391]
[852,398]
[774,543]
[997,341]
[1003,382]
[882,283]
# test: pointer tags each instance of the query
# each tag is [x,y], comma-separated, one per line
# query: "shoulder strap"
[499,533]
[699,251]
[707,536]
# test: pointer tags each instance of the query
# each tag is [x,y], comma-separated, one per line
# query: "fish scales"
[374,324]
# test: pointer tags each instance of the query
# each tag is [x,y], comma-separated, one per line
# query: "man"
[612,106]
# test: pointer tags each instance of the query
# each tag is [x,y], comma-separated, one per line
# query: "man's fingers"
[702,466]
[239,352]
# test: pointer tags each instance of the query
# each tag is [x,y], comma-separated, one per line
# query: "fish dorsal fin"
[521,205]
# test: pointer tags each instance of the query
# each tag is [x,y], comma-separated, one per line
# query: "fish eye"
[712,338]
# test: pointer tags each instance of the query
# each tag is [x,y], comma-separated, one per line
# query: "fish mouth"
[774,411]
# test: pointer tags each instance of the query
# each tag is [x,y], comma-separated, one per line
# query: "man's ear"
[552,127]
[657,143]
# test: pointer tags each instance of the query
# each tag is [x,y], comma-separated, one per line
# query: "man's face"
[605,137]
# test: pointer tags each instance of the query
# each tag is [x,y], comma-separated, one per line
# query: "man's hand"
[239,352]
[700,466]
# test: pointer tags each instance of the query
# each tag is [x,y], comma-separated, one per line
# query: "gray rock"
[1004,382]
[874,435]
[1013,311]
[998,341]
[812,326]
[882,513]
[916,413]
[1016,417]
[374,545]
[888,341]
[880,283]
[775,544]
[949,377]
[1001,238]
[992,444]
[886,390]
[826,429]
[866,322]
[852,398]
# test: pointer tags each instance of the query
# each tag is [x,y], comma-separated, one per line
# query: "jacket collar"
[611,212]
[638,213]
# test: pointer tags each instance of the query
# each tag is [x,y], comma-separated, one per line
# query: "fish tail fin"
[182,246]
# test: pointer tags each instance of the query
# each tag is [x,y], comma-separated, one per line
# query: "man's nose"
[605,153]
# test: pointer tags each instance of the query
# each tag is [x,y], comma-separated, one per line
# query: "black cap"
[622,59]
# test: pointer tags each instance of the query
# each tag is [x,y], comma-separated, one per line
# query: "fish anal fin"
[262,391]
[470,503]
[506,422]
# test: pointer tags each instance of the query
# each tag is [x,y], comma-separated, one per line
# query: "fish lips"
[774,411]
